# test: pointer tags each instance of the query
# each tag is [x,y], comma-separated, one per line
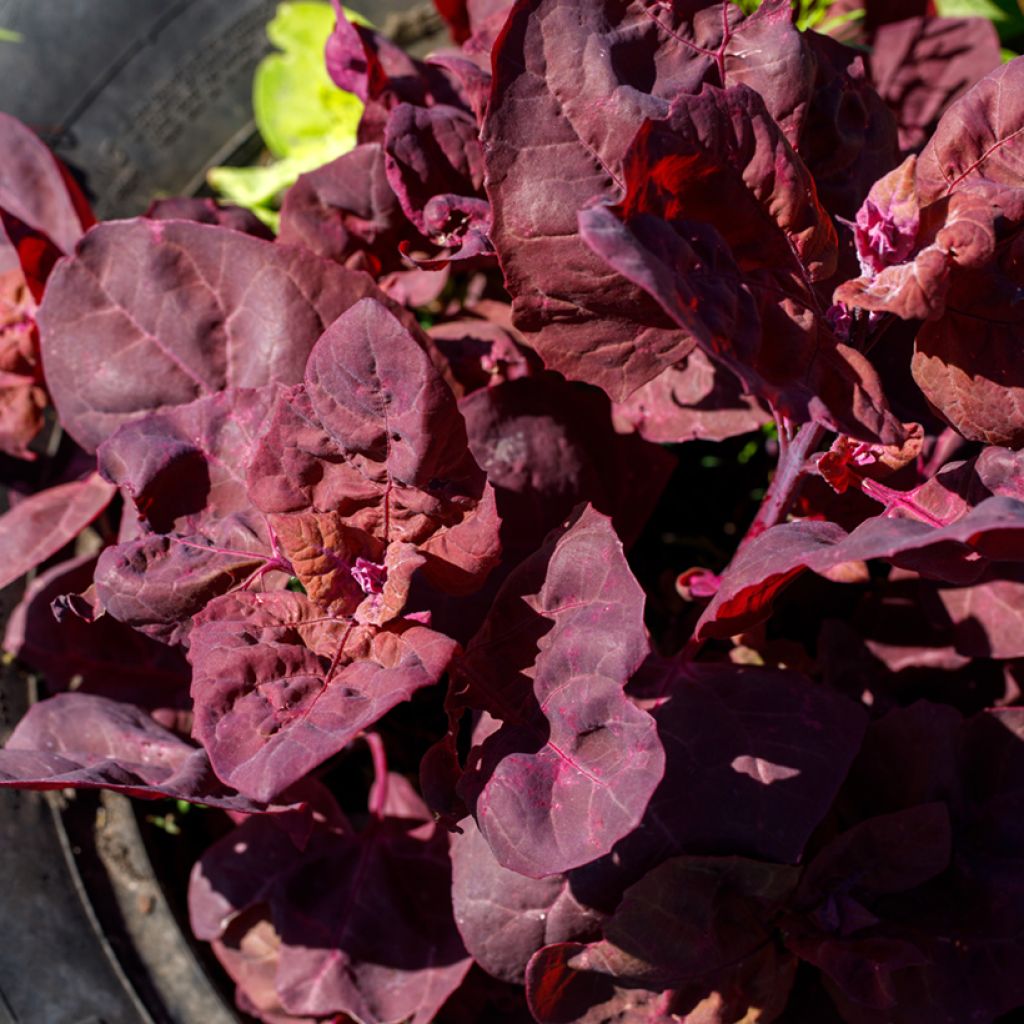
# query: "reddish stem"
[897,499]
[795,449]
[379,790]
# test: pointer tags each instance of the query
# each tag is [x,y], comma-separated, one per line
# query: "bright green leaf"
[9,36]
[305,119]
[1004,14]
[294,99]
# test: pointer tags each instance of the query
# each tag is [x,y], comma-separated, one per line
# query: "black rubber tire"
[141,97]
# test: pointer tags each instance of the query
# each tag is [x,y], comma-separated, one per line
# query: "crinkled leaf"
[78,740]
[434,164]
[573,764]
[362,61]
[182,469]
[22,394]
[279,687]
[573,84]
[482,353]
[157,583]
[375,436]
[977,138]
[155,313]
[962,273]
[346,211]
[40,525]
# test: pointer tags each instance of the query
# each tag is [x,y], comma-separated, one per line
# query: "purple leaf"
[696,399]
[556,135]
[936,529]
[961,274]
[374,437]
[42,211]
[942,951]
[183,471]
[206,211]
[504,917]
[35,188]
[40,525]
[887,854]
[700,925]
[347,212]
[155,313]
[722,227]
[434,165]
[688,918]
[922,65]
[754,759]
[987,619]
[77,740]
[279,687]
[157,583]
[547,445]
[103,657]
[359,924]
[573,764]
[362,60]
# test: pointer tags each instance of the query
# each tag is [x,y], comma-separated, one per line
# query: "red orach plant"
[373,485]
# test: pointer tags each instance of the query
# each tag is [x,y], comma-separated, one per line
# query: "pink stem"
[794,451]
[795,448]
[897,499]
[254,555]
[379,789]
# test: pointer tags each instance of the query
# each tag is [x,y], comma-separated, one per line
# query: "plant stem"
[795,448]
[379,791]
[794,451]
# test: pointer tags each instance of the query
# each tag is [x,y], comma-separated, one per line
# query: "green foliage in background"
[304,118]
[810,14]
[1006,15]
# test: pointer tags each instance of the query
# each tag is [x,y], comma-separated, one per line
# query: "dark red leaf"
[573,763]
[359,924]
[77,740]
[504,917]
[40,525]
[155,313]
[375,439]
[279,687]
